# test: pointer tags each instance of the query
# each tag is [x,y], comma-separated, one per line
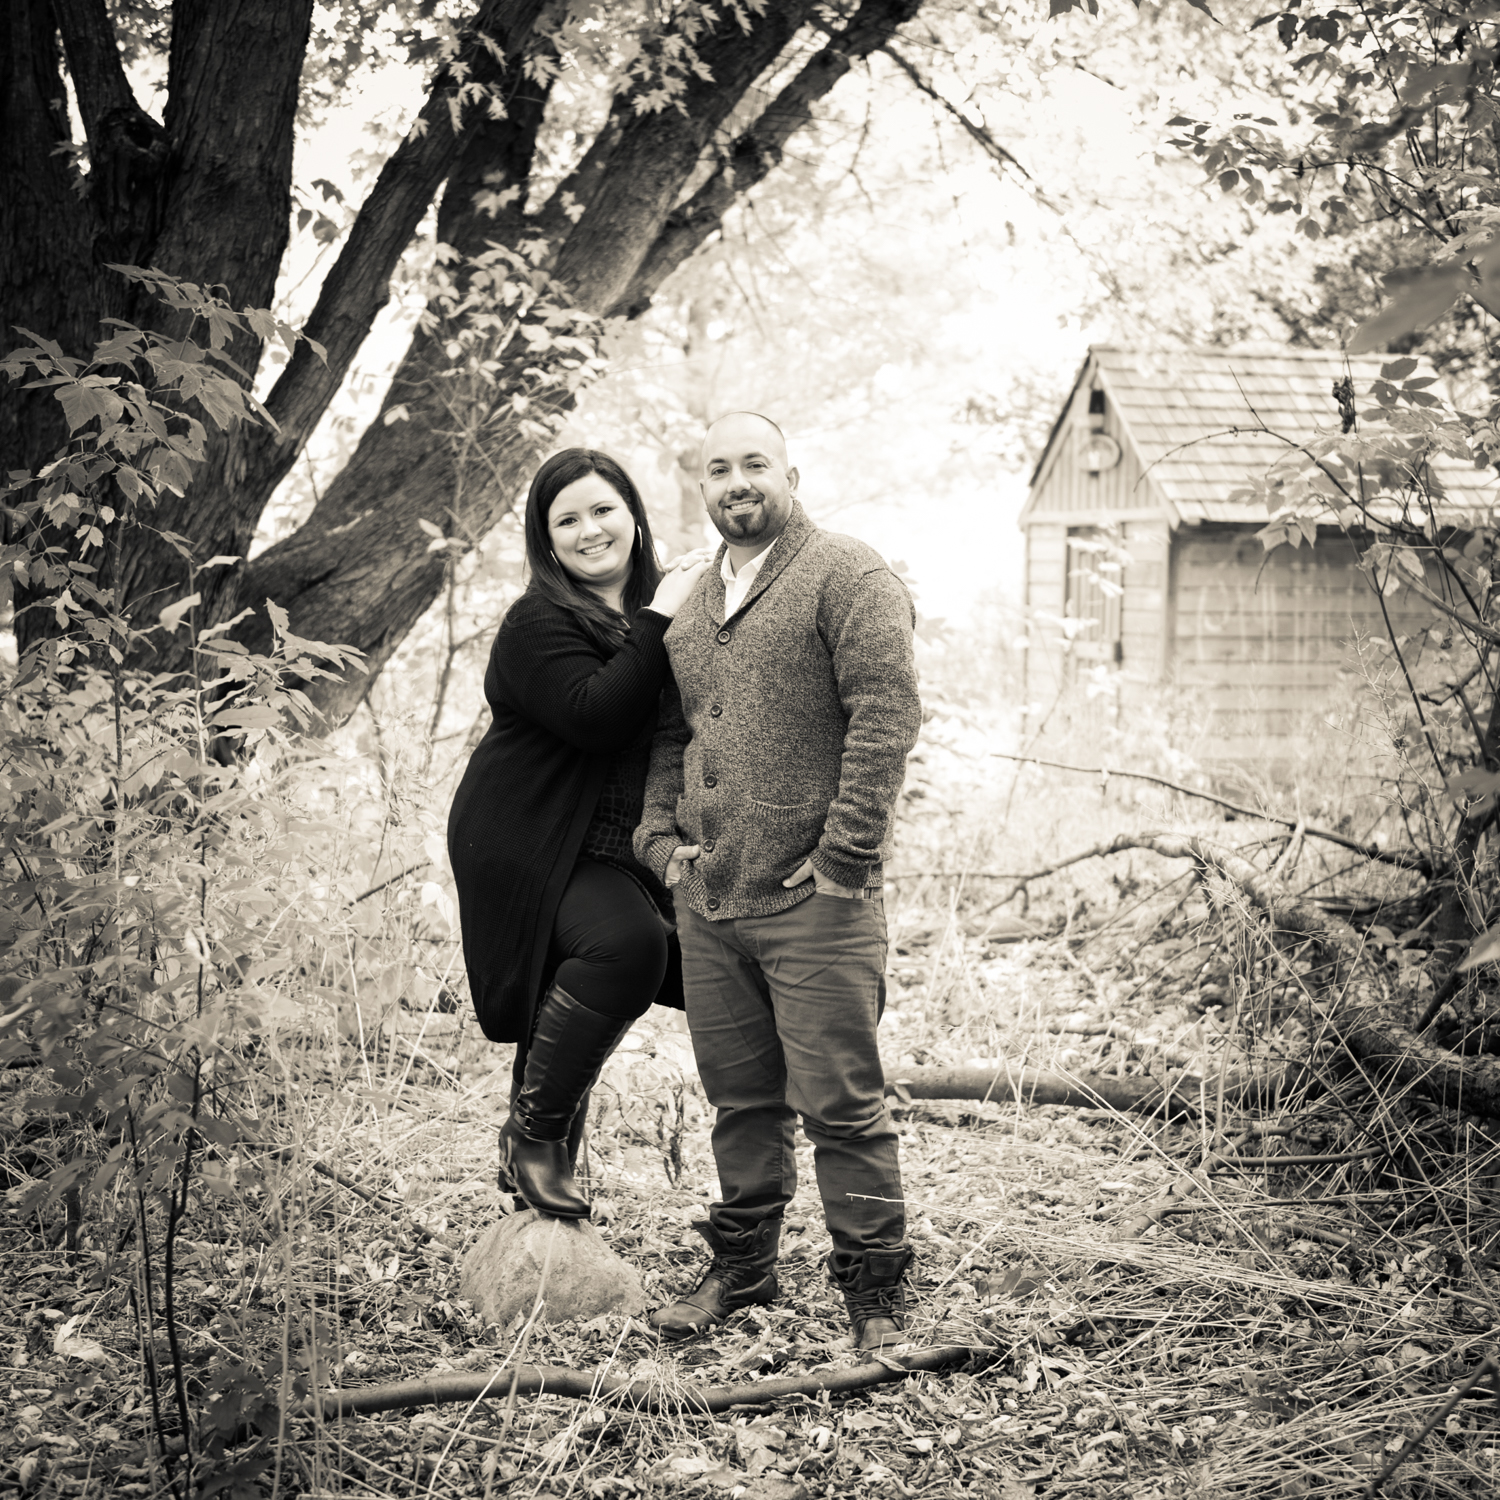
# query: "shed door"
[1094,592]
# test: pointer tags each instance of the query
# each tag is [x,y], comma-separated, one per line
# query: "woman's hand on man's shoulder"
[680,579]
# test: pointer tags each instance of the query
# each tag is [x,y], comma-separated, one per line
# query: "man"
[768,805]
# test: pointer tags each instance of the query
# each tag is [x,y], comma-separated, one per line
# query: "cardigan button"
[710,781]
[713,903]
[725,637]
[708,846]
[716,711]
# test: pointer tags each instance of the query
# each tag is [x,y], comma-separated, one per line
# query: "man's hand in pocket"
[821,883]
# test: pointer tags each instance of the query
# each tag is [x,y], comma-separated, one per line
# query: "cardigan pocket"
[782,838]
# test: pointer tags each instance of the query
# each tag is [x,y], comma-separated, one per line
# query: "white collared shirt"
[738,585]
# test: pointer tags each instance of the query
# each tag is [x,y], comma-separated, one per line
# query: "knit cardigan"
[787,733]
[563,709]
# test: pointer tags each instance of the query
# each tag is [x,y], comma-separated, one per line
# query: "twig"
[1410,1446]
[439,1244]
[1302,1161]
[1307,1231]
[642,1395]
[1405,859]
[375,890]
[379,1200]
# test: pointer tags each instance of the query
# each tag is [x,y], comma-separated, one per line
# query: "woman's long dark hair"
[548,576]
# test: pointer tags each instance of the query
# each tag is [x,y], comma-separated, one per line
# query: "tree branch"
[358,284]
[1405,859]
[758,151]
[94,63]
[641,1395]
[979,133]
[657,152]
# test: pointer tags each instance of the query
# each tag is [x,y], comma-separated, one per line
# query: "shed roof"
[1202,421]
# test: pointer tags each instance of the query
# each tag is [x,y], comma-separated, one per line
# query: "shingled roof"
[1191,415]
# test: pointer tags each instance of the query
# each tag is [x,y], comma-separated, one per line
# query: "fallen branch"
[1488,1365]
[1404,859]
[1008,1083]
[640,1395]
[1374,1030]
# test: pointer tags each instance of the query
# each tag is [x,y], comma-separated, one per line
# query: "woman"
[566,939]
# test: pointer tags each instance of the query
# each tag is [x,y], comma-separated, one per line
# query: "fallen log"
[1009,1083]
[618,1390]
[1377,1033]
[1036,1086]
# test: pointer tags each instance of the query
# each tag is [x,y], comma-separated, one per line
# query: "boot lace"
[731,1272]
[876,1302]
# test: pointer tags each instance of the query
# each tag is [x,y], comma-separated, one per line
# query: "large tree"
[699,104]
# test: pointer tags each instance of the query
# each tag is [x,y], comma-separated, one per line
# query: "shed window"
[1096,403]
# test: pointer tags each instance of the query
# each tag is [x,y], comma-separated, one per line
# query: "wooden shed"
[1145,454]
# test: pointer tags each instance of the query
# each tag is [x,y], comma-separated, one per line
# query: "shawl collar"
[796,531]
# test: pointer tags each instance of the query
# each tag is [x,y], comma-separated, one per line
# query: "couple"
[733,732]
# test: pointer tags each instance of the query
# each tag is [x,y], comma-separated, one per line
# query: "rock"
[585,1278]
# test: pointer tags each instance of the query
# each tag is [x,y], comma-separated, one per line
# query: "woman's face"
[592,532]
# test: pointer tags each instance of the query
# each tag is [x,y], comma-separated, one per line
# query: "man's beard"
[749,525]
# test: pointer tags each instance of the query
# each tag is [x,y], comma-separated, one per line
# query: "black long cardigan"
[563,709]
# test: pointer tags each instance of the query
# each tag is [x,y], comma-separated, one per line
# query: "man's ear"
[703,494]
[793,479]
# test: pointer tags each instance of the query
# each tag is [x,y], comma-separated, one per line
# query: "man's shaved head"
[776,434]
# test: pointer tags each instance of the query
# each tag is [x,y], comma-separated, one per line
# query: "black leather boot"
[575,1146]
[875,1297]
[741,1274]
[568,1048]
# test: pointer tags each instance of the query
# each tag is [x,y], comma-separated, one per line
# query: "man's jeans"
[783,1011]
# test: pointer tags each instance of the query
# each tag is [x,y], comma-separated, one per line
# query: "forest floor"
[1284,1339]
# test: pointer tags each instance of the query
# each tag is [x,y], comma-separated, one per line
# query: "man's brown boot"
[741,1274]
[875,1297]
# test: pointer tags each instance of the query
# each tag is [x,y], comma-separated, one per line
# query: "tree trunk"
[357,570]
[206,196]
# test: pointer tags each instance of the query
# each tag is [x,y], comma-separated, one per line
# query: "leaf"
[171,617]
[1483,950]
[1419,296]
[1473,791]
[1486,290]
[68,1345]
[430,529]
[251,716]
[1398,369]
[81,403]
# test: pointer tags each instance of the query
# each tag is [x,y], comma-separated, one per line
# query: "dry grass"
[1279,1333]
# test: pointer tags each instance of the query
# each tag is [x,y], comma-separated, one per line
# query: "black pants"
[609,947]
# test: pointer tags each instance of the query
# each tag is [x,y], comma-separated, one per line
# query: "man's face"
[747,487]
